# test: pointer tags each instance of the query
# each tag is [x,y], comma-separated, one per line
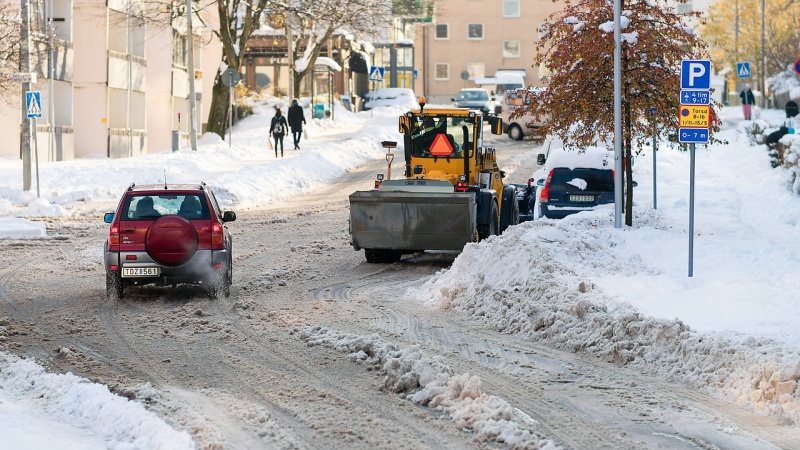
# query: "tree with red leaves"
[578,49]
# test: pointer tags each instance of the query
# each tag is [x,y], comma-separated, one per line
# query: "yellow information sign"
[692,116]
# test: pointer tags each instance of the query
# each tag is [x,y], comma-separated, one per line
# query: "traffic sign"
[33,102]
[694,116]
[375,73]
[743,69]
[24,77]
[230,77]
[695,74]
[693,135]
[797,66]
[695,97]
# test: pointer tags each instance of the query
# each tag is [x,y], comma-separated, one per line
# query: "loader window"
[425,131]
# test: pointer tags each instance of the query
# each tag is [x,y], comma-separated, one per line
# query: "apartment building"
[471,39]
[113,78]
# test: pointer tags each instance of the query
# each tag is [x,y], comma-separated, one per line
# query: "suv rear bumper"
[201,268]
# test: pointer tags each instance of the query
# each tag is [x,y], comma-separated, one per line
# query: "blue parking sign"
[695,74]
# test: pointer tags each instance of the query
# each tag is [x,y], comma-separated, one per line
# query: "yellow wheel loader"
[452,191]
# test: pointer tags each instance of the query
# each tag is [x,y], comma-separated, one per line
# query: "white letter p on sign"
[696,70]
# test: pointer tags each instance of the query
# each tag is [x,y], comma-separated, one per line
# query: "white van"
[525,125]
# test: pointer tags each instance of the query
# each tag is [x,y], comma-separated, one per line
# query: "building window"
[441,71]
[442,31]
[510,8]
[474,31]
[511,49]
[476,70]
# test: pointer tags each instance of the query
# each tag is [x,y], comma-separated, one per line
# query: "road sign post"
[33,104]
[694,117]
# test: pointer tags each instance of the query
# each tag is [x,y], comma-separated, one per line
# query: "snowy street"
[557,334]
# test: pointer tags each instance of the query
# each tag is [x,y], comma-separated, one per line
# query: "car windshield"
[473,96]
[581,179]
[441,137]
[150,207]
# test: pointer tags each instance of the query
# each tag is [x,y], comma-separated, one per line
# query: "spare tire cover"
[171,240]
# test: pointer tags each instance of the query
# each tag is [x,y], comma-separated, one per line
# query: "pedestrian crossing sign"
[375,73]
[33,102]
[743,69]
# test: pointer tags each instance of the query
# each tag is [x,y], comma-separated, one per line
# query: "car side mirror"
[452,99]
[540,159]
[496,125]
[228,216]
[502,174]
[540,182]
[635,183]
[108,217]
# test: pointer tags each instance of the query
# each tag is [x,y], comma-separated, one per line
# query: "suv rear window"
[590,180]
[151,207]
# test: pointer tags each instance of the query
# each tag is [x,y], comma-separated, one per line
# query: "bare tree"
[10,41]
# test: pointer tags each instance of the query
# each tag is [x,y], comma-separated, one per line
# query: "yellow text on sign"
[694,116]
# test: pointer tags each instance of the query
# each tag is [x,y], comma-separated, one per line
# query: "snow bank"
[428,381]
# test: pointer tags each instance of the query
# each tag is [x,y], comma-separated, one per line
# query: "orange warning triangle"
[441,146]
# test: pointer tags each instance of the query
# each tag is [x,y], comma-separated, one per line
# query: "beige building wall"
[94,100]
[478,37]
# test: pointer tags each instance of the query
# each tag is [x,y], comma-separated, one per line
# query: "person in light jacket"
[748,100]
[296,121]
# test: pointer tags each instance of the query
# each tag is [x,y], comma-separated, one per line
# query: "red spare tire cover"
[171,240]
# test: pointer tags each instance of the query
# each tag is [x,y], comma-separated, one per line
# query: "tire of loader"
[484,231]
[510,213]
[375,255]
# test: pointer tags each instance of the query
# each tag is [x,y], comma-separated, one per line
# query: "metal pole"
[230,110]
[25,123]
[655,197]
[192,95]
[691,211]
[130,78]
[36,156]
[617,115]
[763,76]
[51,111]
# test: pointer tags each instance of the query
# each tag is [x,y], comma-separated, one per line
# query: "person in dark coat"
[748,100]
[296,121]
[277,129]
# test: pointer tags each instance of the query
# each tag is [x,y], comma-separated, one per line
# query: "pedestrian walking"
[296,121]
[748,100]
[277,129]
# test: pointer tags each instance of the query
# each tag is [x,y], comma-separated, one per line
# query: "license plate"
[140,272]
[581,198]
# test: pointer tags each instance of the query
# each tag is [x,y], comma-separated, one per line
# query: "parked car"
[403,97]
[168,235]
[574,180]
[476,98]
[525,125]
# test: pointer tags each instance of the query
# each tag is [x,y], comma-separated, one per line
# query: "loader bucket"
[412,220]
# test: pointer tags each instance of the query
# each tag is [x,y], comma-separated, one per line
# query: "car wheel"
[171,241]
[515,132]
[114,287]
[374,255]
[221,285]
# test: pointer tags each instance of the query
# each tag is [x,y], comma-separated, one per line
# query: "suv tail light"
[544,194]
[216,234]
[113,235]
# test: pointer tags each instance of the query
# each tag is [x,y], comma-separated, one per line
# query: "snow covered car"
[476,98]
[402,97]
[574,180]
[168,235]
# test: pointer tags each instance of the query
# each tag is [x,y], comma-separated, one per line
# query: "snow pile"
[552,297]
[428,381]
[21,229]
[120,423]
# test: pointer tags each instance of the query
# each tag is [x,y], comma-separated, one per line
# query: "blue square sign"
[693,135]
[695,74]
